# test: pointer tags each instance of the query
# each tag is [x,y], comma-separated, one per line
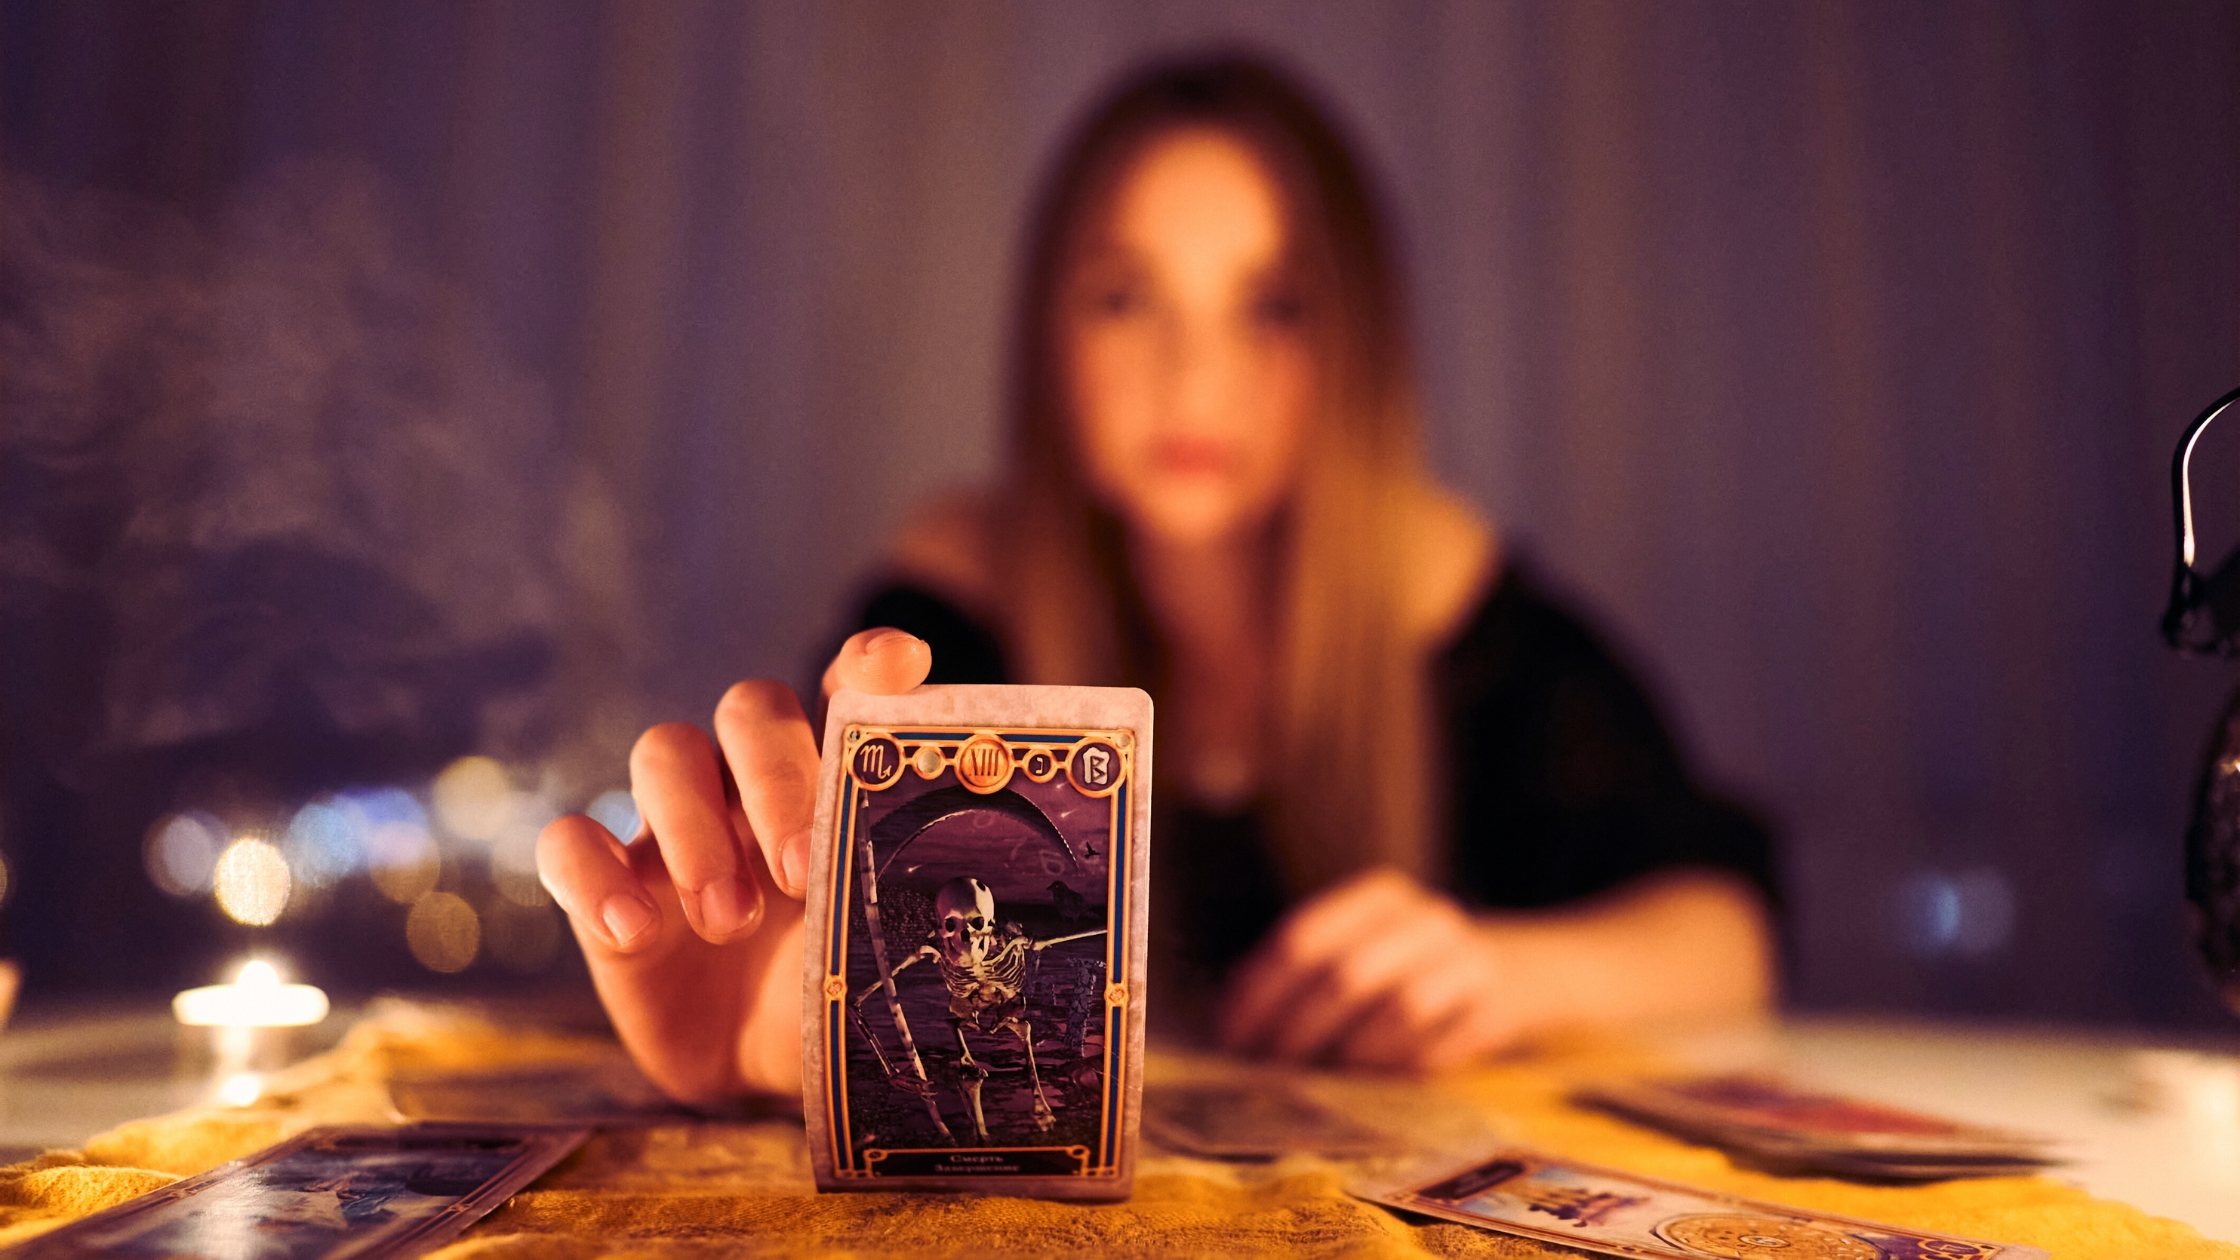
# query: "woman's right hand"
[693,929]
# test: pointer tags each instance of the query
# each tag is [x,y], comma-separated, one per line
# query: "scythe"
[886,987]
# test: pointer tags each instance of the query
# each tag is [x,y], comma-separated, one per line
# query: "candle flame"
[255,999]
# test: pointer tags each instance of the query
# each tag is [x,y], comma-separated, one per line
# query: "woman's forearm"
[1683,944]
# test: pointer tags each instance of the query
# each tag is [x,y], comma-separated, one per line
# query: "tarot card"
[1255,1120]
[1779,1127]
[331,1193]
[974,980]
[1536,1196]
[1878,1168]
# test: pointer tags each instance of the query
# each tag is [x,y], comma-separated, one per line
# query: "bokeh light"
[443,932]
[3,879]
[181,852]
[513,867]
[473,798]
[404,861]
[369,808]
[251,881]
[323,844]
[617,811]
[521,938]
[1970,913]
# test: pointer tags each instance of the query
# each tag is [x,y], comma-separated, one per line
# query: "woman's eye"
[1279,310]
[1116,300]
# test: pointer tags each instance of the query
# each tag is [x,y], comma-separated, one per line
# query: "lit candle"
[248,1022]
[255,999]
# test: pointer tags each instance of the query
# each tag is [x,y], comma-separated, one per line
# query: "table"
[2081,1086]
[708,1186]
[69,1073]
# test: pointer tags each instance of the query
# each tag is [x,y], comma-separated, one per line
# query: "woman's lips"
[1193,457]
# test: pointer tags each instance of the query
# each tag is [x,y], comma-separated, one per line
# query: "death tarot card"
[973,982]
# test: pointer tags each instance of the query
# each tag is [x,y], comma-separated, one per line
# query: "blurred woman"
[1411,810]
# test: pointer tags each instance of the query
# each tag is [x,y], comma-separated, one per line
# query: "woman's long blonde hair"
[1346,775]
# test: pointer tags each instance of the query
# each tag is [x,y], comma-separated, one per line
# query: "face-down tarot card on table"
[336,1193]
[973,984]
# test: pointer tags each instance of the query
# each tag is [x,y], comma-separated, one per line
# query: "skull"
[967,912]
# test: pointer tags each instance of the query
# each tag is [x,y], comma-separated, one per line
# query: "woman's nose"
[1204,366]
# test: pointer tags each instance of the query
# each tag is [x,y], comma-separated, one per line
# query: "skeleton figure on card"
[981,878]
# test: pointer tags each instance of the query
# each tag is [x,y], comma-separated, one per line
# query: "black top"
[1565,783]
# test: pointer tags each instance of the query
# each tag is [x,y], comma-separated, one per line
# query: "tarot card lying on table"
[1536,1196]
[973,984]
[324,1195]
[1256,1120]
[1771,1125]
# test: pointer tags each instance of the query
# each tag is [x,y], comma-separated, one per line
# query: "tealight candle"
[249,1022]
[255,999]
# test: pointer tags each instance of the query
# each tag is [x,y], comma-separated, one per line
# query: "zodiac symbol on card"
[878,762]
[1095,769]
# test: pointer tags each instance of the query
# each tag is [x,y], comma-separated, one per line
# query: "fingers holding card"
[974,975]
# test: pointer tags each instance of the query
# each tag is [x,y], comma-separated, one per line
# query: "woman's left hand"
[1377,971]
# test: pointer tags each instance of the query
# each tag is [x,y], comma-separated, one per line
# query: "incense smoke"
[262,472]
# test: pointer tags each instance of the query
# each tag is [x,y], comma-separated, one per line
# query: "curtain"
[1828,354]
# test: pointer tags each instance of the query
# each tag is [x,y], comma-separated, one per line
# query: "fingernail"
[793,867]
[723,907]
[626,918]
[885,639]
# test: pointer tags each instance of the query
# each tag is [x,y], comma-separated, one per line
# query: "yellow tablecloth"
[719,1188]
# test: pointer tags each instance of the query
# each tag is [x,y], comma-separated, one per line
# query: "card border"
[966,709]
[835,940]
